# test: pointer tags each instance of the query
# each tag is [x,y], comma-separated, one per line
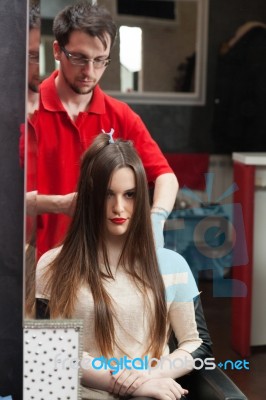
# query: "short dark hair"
[83,16]
[34,15]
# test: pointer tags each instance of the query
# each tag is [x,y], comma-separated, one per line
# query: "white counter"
[250,158]
[258,301]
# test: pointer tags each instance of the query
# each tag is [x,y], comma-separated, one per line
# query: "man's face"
[33,69]
[82,78]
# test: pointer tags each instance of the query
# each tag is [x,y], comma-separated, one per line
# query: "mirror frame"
[198,97]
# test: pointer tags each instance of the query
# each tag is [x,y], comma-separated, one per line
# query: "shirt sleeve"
[154,162]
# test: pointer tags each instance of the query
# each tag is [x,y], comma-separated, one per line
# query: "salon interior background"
[176,128]
[189,129]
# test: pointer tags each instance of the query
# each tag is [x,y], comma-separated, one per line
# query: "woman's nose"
[118,205]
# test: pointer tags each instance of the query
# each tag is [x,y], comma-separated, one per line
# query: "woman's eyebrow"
[130,190]
[125,191]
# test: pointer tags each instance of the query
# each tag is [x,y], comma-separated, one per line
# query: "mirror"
[28,144]
[191,98]
[166,63]
[183,27]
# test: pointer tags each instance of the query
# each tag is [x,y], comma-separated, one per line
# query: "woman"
[109,274]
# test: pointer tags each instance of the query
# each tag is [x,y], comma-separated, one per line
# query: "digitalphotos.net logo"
[117,364]
[211,238]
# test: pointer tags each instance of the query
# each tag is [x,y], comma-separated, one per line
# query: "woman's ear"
[57,51]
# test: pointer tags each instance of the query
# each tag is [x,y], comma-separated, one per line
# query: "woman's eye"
[130,195]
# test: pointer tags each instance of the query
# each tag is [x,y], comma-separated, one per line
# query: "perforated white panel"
[52,350]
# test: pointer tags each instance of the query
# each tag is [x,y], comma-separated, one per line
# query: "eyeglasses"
[81,60]
[33,58]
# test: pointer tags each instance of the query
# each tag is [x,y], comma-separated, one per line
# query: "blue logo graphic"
[232,365]
[211,238]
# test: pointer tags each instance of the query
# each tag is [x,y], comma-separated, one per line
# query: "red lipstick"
[118,221]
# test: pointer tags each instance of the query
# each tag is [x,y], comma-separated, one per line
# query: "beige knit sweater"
[132,322]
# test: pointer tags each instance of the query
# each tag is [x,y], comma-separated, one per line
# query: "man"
[33,69]
[73,110]
[32,106]
[33,58]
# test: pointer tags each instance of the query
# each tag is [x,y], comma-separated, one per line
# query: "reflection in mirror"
[160,57]
[31,154]
[175,75]
[100,245]
[166,60]
[33,57]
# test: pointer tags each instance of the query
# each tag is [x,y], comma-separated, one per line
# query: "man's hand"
[157,221]
[31,203]
[164,197]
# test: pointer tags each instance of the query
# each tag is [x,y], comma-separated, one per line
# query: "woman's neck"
[114,247]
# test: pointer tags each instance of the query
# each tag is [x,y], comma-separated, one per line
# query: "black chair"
[213,385]
[204,384]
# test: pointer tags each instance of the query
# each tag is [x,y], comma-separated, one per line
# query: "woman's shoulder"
[171,262]
[48,257]
[178,279]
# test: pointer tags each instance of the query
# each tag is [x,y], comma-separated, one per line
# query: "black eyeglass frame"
[84,61]
[34,58]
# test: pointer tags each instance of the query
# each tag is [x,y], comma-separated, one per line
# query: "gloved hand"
[158,220]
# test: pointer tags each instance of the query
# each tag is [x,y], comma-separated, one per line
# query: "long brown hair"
[78,261]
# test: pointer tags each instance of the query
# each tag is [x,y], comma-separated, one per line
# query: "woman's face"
[120,201]
[33,68]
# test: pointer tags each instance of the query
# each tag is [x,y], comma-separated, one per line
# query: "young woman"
[129,295]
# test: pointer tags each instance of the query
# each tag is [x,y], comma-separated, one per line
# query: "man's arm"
[55,204]
[165,192]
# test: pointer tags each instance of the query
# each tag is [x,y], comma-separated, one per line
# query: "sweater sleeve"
[183,323]
[185,310]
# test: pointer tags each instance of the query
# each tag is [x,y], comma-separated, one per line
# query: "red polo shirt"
[61,142]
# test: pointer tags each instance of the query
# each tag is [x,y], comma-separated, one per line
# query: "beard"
[33,87]
[77,89]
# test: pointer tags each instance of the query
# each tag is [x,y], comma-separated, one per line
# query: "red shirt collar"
[52,102]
